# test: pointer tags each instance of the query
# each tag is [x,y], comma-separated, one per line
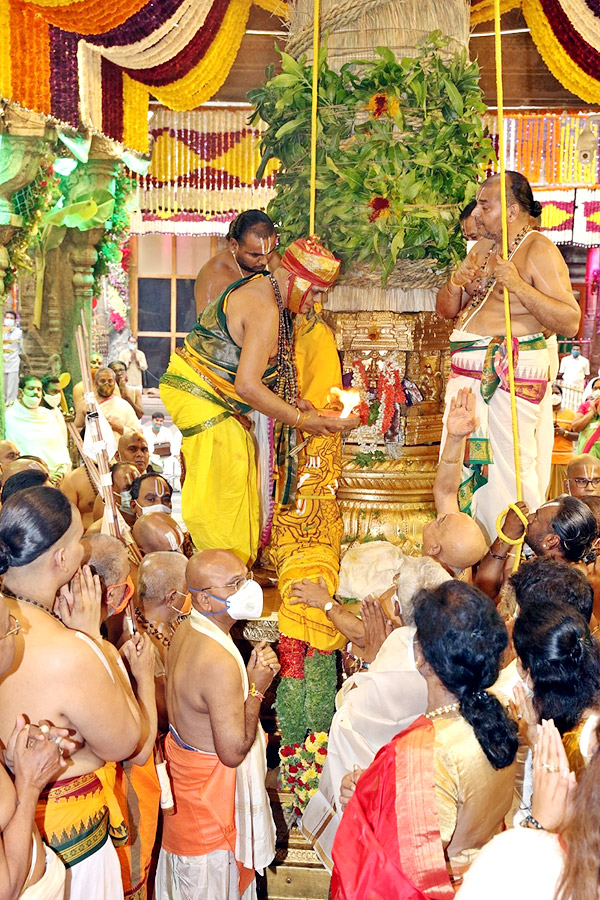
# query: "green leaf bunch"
[401,145]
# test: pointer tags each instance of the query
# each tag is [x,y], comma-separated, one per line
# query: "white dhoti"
[210,877]
[97,877]
[51,885]
[491,449]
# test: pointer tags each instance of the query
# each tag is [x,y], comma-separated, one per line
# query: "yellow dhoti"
[219,498]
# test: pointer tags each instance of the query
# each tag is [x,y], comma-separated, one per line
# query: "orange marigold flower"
[382,105]
[380,207]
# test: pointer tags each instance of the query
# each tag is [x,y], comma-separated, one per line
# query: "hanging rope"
[509,344]
[313,118]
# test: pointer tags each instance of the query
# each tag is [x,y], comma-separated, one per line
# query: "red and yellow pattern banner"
[95,64]
[202,173]
[567,35]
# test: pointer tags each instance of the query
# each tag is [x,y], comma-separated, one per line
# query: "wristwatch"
[329,605]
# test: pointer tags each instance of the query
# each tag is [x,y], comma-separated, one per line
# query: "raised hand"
[263,666]
[377,627]
[553,783]
[461,419]
[78,604]
[348,786]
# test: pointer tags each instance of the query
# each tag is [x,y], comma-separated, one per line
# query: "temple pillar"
[22,145]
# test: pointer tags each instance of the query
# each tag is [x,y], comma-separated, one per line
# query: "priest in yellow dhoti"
[239,357]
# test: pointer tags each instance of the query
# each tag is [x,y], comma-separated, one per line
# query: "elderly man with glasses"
[222,829]
[583,476]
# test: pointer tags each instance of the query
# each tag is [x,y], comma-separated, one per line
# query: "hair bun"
[536,209]
[4,557]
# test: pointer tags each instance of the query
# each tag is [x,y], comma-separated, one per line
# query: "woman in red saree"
[440,789]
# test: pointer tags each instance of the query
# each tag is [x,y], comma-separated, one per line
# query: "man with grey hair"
[373,705]
[162,599]
[107,557]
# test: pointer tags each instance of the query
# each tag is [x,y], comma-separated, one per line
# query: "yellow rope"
[511,367]
[500,521]
[313,119]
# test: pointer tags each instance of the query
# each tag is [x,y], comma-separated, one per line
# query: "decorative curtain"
[543,148]
[95,64]
[567,35]
[202,172]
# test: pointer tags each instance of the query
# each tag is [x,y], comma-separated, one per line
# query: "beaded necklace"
[286,385]
[152,630]
[486,286]
[39,605]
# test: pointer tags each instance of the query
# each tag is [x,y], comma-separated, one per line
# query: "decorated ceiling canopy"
[567,35]
[95,64]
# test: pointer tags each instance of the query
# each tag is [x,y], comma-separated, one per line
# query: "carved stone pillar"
[83,256]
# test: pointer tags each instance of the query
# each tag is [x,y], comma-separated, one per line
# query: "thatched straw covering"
[356,27]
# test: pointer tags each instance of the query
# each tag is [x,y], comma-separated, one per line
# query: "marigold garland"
[90,16]
[555,56]
[206,78]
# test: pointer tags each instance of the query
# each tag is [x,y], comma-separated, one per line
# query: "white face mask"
[156,507]
[30,402]
[246,603]
[556,399]
[595,394]
[52,400]
[9,323]
[125,498]
[132,345]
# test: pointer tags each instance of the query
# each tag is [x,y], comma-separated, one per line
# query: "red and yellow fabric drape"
[97,63]
[567,35]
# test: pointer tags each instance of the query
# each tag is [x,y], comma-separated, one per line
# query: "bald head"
[582,472]
[212,568]
[133,448]
[108,557]
[157,531]
[455,540]
[8,452]
[162,584]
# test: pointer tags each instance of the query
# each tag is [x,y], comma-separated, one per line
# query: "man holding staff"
[541,304]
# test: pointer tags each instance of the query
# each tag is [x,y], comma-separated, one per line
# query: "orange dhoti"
[138,792]
[204,819]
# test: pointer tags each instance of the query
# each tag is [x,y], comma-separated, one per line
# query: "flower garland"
[301,767]
[31,202]
[376,408]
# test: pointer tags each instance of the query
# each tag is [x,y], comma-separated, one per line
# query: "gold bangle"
[450,462]
[454,284]
[298,416]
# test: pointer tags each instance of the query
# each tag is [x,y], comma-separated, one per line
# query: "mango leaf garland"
[401,145]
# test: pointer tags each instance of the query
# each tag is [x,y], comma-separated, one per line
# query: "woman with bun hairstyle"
[63,673]
[559,661]
[441,788]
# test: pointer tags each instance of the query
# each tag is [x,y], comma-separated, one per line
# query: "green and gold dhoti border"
[76,816]
[481,363]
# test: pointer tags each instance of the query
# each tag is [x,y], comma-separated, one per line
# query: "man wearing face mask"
[587,422]
[136,363]
[123,475]
[12,345]
[215,746]
[150,494]
[51,397]
[118,413]
[564,438]
[239,358]
[36,430]
[574,369]
[158,531]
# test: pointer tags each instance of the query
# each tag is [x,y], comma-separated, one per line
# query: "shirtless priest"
[222,829]
[238,358]
[541,304]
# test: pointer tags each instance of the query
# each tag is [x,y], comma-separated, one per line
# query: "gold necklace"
[443,710]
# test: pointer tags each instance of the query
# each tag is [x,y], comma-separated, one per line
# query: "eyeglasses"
[16,627]
[232,586]
[129,589]
[583,482]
